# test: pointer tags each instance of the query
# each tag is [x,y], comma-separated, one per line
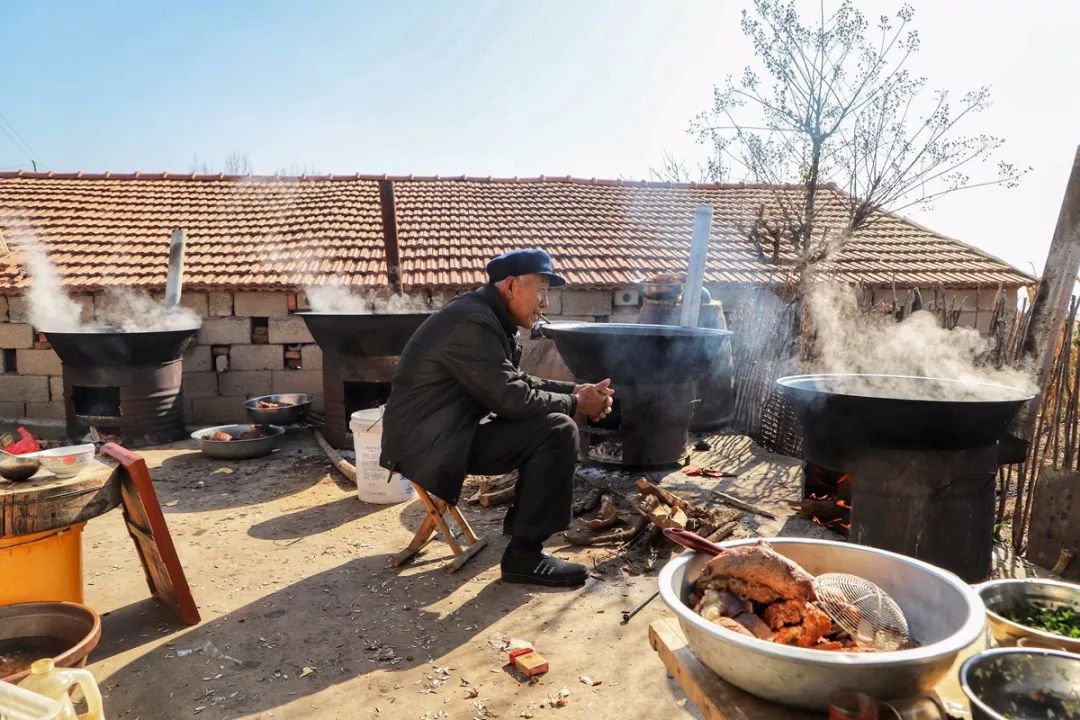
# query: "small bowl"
[17,468]
[68,461]
[1000,595]
[295,408]
[1022,684]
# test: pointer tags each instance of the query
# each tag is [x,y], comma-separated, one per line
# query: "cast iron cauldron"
[363,335]
[112,349]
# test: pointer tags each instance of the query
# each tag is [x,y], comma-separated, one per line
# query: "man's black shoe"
[541,569]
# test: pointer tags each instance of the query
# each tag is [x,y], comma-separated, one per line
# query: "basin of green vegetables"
[1033,611]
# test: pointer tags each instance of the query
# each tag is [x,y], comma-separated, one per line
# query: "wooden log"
[742,505]
[647,488]
[498,497]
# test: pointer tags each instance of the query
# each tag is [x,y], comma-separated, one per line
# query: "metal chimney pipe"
[695,276]
[174,281]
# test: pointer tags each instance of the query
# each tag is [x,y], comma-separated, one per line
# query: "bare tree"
[675,170]
[237,164]
[832,103]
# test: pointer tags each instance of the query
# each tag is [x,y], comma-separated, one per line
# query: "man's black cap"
[523,262]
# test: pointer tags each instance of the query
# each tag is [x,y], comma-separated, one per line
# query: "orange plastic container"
[42,566]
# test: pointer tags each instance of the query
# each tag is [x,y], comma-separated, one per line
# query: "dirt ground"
[303,617]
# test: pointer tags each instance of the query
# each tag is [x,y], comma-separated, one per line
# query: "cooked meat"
[267,405]
[758,573]
[221,436]
[733,626]
[755,625]
[784,612]
[727,604]
[251,434]
[815,625]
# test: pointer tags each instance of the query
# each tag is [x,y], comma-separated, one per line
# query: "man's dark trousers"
[544,450]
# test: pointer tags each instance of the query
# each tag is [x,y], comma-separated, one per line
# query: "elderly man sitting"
[460,367]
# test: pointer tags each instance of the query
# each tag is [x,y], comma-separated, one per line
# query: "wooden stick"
[736,502]
[498,497]
[343,466]
[647,488]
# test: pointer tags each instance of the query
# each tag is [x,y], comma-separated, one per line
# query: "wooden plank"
[713,697]
[146,526]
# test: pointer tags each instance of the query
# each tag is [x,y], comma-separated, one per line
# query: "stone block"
[24,388]
[3,308]
[256,357]
[225,331]
[16,336]
[289,331]
[200,384]
[197,302]
[56,388]
[260,304]
[38,362]
[18,310]
[586,302]
[311,357]
[12,409]
[197,358]
[244,383]
[48,410]
[305,381]
[220,304]
[554,302]
[216,411]
[625,314]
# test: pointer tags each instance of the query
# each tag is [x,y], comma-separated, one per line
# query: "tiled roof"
[270,233]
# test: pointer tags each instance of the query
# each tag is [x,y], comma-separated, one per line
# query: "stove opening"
[96,401]
[826,498]
[364,395]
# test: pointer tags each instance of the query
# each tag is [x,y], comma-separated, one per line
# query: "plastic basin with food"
[1022,684]
[65,462]
[238,442]
[944,615]
[280,409]
[1044,611]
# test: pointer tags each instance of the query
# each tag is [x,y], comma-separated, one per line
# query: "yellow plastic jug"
[53,682]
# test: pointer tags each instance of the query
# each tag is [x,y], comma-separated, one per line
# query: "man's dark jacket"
[459,366]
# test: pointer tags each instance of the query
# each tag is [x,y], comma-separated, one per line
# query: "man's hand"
[594,401]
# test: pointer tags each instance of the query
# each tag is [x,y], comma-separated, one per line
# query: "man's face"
[526,298]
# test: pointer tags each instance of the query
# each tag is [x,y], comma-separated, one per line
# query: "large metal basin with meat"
[945,616]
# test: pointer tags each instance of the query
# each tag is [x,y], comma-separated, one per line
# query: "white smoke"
[339,299]
[50,309]
[850,340]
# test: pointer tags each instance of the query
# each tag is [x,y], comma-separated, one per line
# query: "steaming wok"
[109,349]
[636,354]
[845,412]
[364,335]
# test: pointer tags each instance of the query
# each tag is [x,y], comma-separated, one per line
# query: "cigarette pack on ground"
[528,661]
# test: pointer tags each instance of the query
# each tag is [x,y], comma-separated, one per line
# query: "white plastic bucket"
[371,484]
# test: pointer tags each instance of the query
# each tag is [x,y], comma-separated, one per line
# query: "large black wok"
[636,354]
[842,413]
[110,349]
[362,335]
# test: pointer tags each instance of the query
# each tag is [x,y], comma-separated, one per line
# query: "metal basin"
[238,449]
[843,411]
[362,335]
[296,406]
[944,614]
[1022,684]
[1000,596]
[636,354]
[109,349]
[69,630]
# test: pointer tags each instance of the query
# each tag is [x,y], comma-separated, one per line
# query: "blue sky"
[597,88]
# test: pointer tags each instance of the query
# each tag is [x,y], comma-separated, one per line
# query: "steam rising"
[339,299]
[123,309]
[851,341]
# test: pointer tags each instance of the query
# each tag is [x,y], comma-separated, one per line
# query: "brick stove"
[127,385]
[913,460]
[360,353]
